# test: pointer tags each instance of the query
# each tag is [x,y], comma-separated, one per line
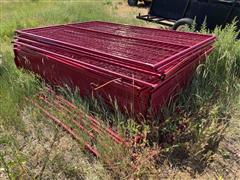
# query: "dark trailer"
[177,13]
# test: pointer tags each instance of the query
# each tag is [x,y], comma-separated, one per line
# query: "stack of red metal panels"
[140,68]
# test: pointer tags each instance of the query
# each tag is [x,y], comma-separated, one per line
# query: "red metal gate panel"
[141,68]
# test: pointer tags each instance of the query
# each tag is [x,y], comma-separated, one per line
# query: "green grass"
[15,85]
[207,107]
[207,104]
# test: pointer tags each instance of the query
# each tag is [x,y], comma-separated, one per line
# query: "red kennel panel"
[140,68]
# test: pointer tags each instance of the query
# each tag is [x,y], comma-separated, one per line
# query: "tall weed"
[198,119]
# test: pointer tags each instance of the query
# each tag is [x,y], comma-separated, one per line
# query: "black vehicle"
[177,13]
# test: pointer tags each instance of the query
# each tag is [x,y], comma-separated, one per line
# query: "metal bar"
[39,28]
[110,61]
[174,69]
[188,50]
[61,43]
[175,44]
[112,134]
[153,81]
[81,118]
[94,121]
[77,63]
[103,129]
[58,102]
[128,37]
[93,126]
[64,126]
[74,121]
[170,73]
[173,35]
[71,50]
[162,23]
[188,56]
[154,29]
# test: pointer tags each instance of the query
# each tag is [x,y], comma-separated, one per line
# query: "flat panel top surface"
[130,44]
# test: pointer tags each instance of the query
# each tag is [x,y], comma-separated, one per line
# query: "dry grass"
[201,141]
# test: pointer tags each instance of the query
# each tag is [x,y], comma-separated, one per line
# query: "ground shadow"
[142,5]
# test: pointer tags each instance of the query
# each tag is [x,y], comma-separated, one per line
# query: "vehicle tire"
[187,22]
[147,3]
[132,2]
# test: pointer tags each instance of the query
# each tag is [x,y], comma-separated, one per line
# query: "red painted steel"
[75,121]
[102,59]
[140,67]
[172,86]
[65,127]
[95,123]
[150,34]
[144,78]
[196,42]
[124,73]
[129,55]
[59,108]
[61,73]
[137,52]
